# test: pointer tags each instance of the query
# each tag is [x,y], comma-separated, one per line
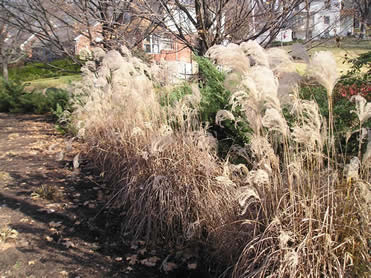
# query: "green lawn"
[61,82]
[351,48]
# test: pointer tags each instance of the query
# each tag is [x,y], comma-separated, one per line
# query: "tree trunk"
[362,33]
[307,25]
[5,69]
[201,48]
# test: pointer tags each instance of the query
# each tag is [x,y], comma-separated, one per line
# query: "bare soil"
[53,219]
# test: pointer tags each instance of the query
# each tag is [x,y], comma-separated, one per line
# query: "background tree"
[13,44]
[57,22]
[200,24]
[363,14]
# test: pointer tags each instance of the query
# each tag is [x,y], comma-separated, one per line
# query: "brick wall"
[83,42]
[180,52]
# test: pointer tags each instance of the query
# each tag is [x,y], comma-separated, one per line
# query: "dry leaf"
[68,244]
[192,266]
[142,251]
[55,224]
[134,246]
[154,259]
[132,259]
[59,156]
[76,163]
[31,262]
[64,273]
[118,259]
[147,262]
[48,238]
[169,266]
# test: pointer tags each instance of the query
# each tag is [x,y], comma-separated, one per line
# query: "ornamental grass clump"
[307,215]
[160,161]
[291,208]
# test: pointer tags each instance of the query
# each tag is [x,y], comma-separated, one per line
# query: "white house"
[327,19]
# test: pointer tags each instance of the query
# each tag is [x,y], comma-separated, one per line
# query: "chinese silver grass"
[258,93]
[256,53]
[223,115]
[363,112]
[363,108]
[168,176]
[290,182]
[265,82]
[274,121]
[322,67]
[231,57]
[308,130]
[161,163]
[280,61]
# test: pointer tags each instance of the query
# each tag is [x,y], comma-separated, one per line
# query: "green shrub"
[215,97]
[170,98]
[344,120]
[278,43]
[357,80]
[33,71]
[14,98]
[10,94]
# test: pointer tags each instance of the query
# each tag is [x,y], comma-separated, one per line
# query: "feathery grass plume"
[308,129]
[164,73]
[363,108]
[223,115]
[256,53]
[366,160]
[322,67]
[274,121]
[263,153]
[258,92]
[363,112]
[265,81]
[231,57]
[352,169]
[280,61]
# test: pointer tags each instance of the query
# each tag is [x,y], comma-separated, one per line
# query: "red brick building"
[160,47]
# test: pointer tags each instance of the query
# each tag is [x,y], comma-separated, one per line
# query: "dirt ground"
[53,220]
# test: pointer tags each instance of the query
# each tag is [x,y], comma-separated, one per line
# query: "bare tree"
[363,12]
[200,24]
[57,22]
[13,46]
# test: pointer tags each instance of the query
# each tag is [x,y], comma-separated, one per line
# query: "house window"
[300,20]
[167,44]
[326,19]
[152,44]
